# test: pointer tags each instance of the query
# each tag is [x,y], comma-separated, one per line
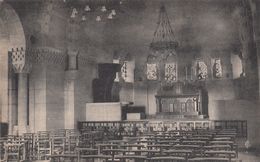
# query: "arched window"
[152,68]
[201,70]
[170,69]
[124,70]
[216,68]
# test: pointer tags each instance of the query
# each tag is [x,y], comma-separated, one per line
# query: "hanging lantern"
[83,18]
[74,13]
[164,40]
[103,9]
[110,16]
[98,18]
[87,8]
[113,12]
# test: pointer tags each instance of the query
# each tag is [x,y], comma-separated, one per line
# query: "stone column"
[73,34]
[22,67]
[22,102]
[69,93]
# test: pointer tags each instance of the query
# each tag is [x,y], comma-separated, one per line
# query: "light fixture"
[163,48]
[87,8]
[99,9]
[83,18]
[103,9]
[163,41]
[110,16]
[98,18]
[113,12]
[74,13]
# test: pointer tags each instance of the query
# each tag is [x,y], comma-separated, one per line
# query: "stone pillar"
[73,35]
[22,67]
[69,92]
[22,102]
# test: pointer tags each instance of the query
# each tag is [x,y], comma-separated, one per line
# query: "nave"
[130,80]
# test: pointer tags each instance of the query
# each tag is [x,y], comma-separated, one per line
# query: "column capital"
[20,60]
[72,52]
[72,59]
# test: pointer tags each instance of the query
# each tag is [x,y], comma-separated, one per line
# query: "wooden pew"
[221,154]
[208,159]
[166,158]
[218,147]
[179,153]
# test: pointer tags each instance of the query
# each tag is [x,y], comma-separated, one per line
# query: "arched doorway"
[11,36]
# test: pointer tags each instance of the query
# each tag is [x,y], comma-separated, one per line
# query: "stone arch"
[11,36]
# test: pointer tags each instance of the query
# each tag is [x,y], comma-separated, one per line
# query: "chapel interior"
[129,80]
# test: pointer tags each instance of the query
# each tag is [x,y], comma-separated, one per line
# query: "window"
[201,70]
[127,71]
[124,70]
[170,72]
[152,71]
[216,68]
[170,69]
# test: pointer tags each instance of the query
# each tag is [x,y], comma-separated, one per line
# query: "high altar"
[182,100]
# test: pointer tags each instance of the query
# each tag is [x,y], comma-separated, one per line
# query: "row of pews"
[199,145]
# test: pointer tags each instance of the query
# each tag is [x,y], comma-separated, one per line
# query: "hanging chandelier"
[163,38]
[100,10]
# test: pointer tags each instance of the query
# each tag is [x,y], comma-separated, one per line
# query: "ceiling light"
[98,18]
[103,9]
[83,18]
[87,8]
[74,13]
[113,12]
[110,16]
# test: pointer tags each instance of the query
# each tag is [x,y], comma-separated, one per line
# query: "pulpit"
[102,86]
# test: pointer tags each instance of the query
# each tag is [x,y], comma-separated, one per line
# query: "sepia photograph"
[129,81]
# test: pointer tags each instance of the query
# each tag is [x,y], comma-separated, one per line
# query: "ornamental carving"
[47,55]
[20,60]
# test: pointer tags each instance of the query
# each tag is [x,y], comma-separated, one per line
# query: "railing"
[133,128]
